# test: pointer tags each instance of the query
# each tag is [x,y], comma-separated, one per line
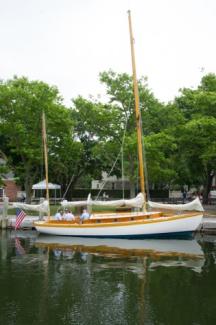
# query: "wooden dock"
[208,225]
[27,223]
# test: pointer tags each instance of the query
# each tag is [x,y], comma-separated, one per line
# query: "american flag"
[20,215]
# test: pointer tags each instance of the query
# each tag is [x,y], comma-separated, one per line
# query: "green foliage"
[161,149]
[208,83]
[22,102]
[197,139]
[195,103]
[96,128]
[3,165]
[199,143]
[94,121]
[157,118]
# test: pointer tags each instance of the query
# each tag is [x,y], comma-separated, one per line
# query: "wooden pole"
[5,212]
[41,214]
[45,160]
[137,112]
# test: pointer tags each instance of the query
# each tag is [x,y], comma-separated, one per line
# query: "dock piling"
[5,213]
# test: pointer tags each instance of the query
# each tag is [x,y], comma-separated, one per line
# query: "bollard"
[5,212]
[41,214]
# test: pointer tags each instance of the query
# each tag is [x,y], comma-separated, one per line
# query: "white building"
[110,183]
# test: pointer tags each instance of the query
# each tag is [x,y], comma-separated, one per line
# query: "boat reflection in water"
[121,246]
[131,281]
[166,253]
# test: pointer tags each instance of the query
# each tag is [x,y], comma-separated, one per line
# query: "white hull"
[148,227]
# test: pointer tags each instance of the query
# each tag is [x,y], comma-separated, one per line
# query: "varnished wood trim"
[65,224]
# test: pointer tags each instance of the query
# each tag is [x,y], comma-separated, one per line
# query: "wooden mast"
[44,135]
[137,112]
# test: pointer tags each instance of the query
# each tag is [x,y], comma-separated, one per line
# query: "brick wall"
[11,189]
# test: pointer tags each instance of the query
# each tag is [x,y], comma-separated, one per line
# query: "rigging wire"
[121,152]
[68,187]
[104,182]
[145,164]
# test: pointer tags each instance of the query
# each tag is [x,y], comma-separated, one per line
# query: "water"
[55,280]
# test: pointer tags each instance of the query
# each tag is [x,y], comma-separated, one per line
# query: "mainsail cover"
[43,207]
[136,202]
[194,205]
[71,204]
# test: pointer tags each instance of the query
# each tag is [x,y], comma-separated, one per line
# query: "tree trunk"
[28,189]
[207,187]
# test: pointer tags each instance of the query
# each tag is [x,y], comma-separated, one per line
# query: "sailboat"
[183,220]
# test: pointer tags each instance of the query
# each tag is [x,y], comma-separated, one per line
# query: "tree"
[160,151]
[96,125]
[119,88]
[159,121]
[3,165]
[22,102]
[197,140]
[199,151]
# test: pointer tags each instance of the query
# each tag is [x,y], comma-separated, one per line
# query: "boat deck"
[123,218]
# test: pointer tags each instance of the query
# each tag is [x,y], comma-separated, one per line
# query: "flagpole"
[44,135]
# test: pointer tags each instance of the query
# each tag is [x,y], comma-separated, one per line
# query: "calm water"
[55,280]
